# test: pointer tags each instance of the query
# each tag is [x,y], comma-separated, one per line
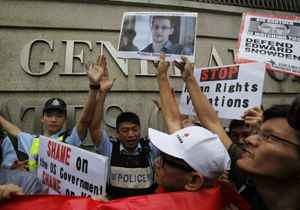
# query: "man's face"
[54,121]
[270,28]
[129,134]
[161,30]
[239,133]
[170,173]
[269,154]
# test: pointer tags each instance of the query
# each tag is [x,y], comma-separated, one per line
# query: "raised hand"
[95,71]
[21,165]
[253,117]
[105,82]
[186,68]
[162,67]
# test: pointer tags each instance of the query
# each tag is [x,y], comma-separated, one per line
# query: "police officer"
[54,117]
[15,182]
[8,153]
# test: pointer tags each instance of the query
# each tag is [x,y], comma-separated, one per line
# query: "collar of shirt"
[124,151]
[168,45]
[55,136]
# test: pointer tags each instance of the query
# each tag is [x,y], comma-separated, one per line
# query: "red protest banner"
[207,199]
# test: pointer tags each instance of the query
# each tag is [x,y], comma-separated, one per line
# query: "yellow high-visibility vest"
[34,152]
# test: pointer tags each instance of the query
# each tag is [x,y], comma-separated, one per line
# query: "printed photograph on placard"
[272,39]
[145,34]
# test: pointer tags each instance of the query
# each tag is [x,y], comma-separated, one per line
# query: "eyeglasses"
[179,164]
[156,27]
[267,136]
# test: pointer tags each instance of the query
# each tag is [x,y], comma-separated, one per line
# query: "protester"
[9,157]
[54,117]
[16,182]
[191,158]
[271,157]
[130,155]
[191,145]
[27,182]
[240,129]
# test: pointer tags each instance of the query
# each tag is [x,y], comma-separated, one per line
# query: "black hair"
[170,18]
[276,111]
[281,111]
[127,117]
[294,114]
[287,26]
[236,123]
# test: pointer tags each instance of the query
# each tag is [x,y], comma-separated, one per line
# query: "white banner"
[230,89]
[69,170]
[272,39]
[145,34]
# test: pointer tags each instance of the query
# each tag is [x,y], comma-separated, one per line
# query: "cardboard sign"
[69,170]
[272,39]
[145,34]
[230,89]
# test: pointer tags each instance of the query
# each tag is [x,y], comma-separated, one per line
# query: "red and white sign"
[231,90]
[272,39]
[69,170]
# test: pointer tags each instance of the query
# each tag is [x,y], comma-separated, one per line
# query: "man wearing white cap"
[190,158]
[193,153]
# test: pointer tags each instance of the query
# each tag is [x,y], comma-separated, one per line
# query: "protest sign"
[272,39]
[69,170]
[230,89]
[145,34]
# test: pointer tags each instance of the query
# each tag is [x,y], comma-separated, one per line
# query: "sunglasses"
[174,163]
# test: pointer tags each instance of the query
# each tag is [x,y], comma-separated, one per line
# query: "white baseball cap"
[197,146]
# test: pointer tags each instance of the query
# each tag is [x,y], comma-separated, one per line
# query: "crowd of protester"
[259,158]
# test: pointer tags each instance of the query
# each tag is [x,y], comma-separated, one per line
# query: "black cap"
[55,104]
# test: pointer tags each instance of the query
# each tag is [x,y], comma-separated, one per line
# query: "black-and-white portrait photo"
[144,35]
[280,29]
[272,39]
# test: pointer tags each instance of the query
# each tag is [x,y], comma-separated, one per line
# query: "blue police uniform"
[8,153]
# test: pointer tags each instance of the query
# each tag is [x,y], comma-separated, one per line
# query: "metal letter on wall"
[25,58]
[122,63]
[110,114]
[214,56]
[233,53]
[70,55]
[144,69]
